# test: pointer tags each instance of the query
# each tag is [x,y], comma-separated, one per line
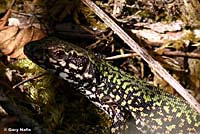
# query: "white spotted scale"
[115,92]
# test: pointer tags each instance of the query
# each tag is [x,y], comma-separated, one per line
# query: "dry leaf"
[13,39]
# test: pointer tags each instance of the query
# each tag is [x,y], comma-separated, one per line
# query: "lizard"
[114,91]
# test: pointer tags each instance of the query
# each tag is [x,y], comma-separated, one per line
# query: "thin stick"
[134,46]
[121,56]
[32,78]
[194,55]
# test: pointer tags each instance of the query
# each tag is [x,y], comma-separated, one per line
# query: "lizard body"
[114,91]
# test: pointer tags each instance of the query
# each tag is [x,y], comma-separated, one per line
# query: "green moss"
[59,107]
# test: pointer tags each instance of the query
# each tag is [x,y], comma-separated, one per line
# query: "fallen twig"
[32,78]
[121,56]
[182,54]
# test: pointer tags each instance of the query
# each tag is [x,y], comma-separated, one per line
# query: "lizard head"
[68,61]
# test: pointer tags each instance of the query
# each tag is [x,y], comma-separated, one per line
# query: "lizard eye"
[59,54]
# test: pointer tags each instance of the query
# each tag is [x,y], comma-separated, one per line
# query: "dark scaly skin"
[114,91]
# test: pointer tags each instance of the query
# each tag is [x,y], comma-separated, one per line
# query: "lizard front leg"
[118,115]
